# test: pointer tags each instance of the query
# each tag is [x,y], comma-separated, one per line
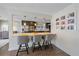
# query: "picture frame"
[62,27]
[71,21]
[71,27]
[63,22]
[63,17]
[57,19]
[57,23]
[72,14]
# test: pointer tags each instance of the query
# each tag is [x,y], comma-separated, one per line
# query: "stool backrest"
[50,37]
[23,39]
[38,38]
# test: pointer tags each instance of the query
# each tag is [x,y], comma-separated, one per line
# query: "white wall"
[67,40]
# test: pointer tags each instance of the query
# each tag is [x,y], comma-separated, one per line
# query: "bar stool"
[23,40]
[37,42]
[50,37]
[44,41]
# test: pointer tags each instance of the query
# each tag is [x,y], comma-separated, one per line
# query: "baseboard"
[11,49]
[60,49]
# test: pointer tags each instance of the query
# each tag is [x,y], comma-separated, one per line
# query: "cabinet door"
[5,35]
[0,35]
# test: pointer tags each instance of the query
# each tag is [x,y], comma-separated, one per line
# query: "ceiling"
[43,8]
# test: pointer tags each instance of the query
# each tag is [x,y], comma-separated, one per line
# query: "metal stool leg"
[51,45]
[39,46]
[33,47]
[18,50]
[26,48]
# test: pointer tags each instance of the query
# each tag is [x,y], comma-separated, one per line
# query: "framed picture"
[57,19]
[63,17]
[57,23]
[62,27]
[62,22]
[71,21]
[71,27]
[71,14]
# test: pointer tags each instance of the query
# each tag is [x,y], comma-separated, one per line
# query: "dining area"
[33,38]
[39,42]
[39,29]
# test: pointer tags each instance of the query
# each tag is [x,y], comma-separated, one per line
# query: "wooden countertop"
[31,34]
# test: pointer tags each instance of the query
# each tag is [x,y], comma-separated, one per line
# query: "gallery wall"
[67,40]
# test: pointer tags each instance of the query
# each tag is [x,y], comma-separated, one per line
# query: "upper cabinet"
[21,24]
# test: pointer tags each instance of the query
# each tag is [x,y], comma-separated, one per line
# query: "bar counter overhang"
[32,34]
